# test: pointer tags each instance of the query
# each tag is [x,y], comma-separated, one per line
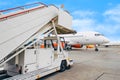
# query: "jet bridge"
[21,25]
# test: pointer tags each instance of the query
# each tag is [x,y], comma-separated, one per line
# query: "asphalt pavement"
[91,65]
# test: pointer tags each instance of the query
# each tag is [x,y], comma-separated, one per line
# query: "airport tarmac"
[91,65]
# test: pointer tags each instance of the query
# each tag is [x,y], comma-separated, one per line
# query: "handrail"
[5,17]
[22,12]
[19,7]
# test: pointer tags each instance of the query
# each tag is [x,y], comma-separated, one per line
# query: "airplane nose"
[106,40]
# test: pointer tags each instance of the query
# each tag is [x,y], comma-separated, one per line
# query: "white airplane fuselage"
[112,43]
[85,38]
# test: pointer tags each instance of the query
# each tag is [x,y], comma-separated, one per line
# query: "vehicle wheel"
[106,46]
[68,48]
[68,67]
[63,66]
[96,49]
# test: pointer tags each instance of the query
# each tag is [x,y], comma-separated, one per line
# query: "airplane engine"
[90,46]
[77,45]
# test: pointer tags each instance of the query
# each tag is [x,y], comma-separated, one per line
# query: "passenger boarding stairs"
[20,27]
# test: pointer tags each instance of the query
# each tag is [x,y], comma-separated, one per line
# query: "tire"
[68,67]
[63,66]
[106,46]
[96,49]
[69,48]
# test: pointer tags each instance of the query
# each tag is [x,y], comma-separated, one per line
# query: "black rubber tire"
[63,66]
[68,47]
[96,49]
[106,46]
[68,67]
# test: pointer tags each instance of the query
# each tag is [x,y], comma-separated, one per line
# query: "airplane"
[112,43]
[84,38]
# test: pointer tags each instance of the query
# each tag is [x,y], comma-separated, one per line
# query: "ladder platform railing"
[26,9]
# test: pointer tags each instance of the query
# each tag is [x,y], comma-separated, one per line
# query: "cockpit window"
[98,34]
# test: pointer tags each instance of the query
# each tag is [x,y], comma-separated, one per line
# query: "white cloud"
[110,26]
[107,28]
[113,14]
[84,14]
[83,20]
[83,24]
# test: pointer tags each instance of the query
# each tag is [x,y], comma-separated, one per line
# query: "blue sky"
[88,15]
